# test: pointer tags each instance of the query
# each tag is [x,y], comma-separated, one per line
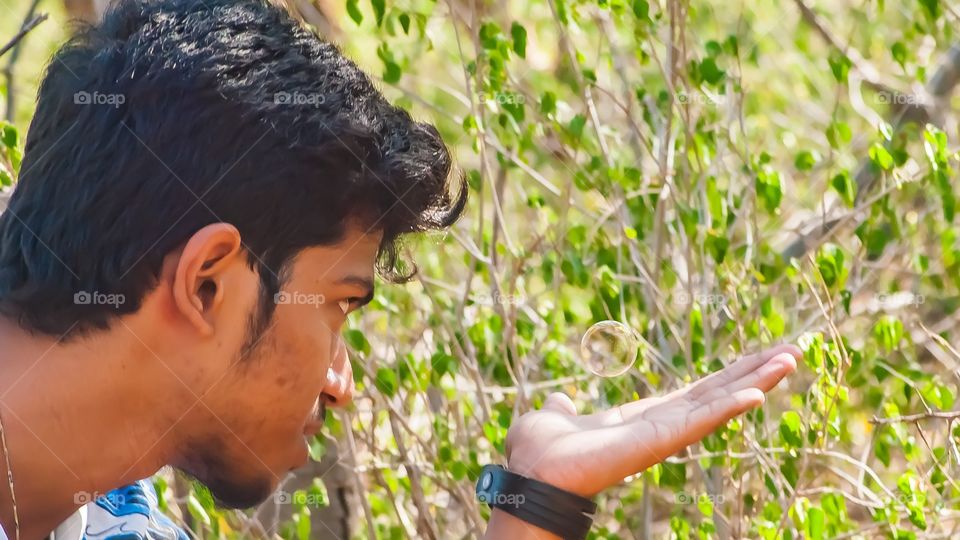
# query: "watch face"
[486,480]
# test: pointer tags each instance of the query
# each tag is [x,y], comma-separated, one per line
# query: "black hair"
[173,114]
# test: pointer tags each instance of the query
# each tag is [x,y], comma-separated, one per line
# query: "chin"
[233,484]
[240,493]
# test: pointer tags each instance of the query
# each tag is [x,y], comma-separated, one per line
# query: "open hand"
[586,454]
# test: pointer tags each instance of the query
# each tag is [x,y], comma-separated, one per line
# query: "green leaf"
[839,66]
[844,185]
[353,10]
[913,497]
[888,331]
[386,381]
[357,341]
[882,451]
[717,246]
[8,134]
[899,52]
[816,528]
[160,489]
[805,160]
[317,448]
[197,510]
[379,9]
[931,8]
[673,475]
[519,34]
[768,189]
[548,102]
[392,72]
[791,427]
[641,9]
[881,157]
[303,525]
[713,48]
[489,35]
[788,467]
[577,124]
[839,134]
[710,72]
[830,263]
[318,496]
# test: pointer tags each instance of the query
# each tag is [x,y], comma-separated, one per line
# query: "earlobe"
[198,284]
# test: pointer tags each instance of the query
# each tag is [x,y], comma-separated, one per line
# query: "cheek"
[301,356]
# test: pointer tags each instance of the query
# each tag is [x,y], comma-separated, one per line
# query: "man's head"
[217,182]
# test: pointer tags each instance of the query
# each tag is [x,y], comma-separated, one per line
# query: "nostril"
[329,399]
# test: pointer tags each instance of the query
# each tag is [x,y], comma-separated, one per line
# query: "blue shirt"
[126,513]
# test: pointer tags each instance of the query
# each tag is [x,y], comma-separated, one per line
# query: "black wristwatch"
[565,514]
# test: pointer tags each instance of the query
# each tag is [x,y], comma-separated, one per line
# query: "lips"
[315,423]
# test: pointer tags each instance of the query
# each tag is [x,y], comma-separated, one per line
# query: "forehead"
[354,254]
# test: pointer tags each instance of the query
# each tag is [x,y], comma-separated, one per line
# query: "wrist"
[535,507]
[567,482]
[503,525]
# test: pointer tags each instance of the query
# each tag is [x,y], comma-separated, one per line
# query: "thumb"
[560,403]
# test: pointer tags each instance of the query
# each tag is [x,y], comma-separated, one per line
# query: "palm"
[586,454]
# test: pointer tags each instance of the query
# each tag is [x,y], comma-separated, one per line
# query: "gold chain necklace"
[13,495]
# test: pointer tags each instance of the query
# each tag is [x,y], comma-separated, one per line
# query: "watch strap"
[548,507]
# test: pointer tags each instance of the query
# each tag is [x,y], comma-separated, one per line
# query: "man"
[191,168]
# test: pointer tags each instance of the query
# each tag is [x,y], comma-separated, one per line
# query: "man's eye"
[350,304]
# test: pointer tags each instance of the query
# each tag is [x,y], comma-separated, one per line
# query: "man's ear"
[198,285]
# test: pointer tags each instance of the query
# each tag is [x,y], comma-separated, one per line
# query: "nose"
[339,388]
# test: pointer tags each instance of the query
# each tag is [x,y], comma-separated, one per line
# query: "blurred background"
[718,176]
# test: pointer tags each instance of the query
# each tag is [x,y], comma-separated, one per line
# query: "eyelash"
[349,303]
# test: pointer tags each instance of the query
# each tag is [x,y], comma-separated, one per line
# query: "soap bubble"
[609,348]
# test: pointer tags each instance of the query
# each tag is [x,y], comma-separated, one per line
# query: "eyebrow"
[360,281]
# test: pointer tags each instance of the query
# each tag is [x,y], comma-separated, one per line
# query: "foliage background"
[720,176]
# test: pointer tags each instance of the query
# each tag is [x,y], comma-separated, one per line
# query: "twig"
[939,87]
[361,491]
[866,70]
[24,30]
[944,415]
[29,23]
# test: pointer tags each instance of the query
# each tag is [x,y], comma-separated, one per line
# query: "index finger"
[739,369]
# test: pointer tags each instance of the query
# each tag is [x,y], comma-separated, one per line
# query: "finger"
[719,379]
[708,417]
[740,369]
[561,403]
[767,376]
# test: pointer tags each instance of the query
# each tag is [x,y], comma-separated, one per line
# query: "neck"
[71,430]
